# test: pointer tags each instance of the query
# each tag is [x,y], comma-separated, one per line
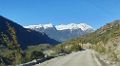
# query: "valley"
[59,33]
[77,50]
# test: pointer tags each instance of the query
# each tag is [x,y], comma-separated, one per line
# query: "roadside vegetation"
[36,52]
[66,48]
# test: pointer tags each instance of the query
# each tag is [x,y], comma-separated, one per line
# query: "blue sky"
[93,12]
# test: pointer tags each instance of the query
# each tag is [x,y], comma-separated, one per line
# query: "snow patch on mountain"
[71,26]
[45,26]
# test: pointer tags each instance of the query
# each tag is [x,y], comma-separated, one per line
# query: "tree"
[12,50]
[37,55]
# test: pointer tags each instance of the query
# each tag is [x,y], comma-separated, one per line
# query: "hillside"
[105,40]
[14,38]
[24,36]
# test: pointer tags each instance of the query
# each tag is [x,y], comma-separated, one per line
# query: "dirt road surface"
[81,58]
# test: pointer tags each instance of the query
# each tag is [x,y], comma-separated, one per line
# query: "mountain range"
[63,32]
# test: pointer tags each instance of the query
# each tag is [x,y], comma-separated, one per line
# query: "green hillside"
[15,41]
[10,51]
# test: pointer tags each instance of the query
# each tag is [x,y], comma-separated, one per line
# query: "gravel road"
[81,58]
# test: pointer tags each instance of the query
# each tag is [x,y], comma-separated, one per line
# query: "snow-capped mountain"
[45,26]
[63,32]
[71,26]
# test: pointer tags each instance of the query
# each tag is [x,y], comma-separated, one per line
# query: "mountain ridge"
[82,26]
[62,32]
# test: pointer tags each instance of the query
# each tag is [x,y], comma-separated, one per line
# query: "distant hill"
[25,37]
[63,32]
